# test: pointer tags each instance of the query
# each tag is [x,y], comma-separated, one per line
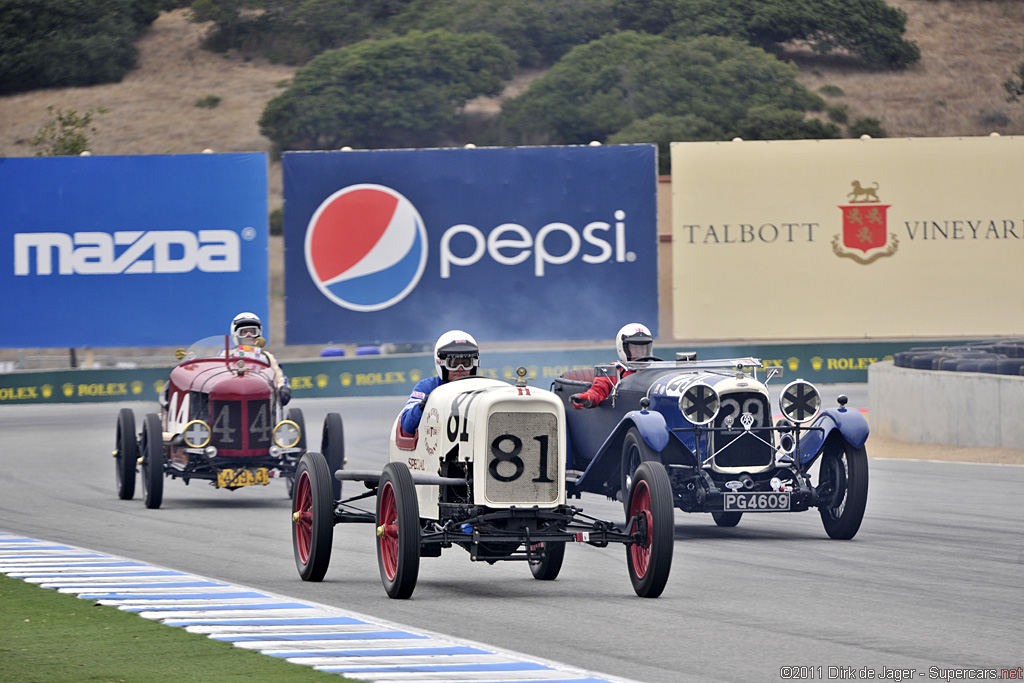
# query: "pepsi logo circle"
[366,247]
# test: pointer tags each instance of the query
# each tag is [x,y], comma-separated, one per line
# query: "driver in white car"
[633,342]
[456,355]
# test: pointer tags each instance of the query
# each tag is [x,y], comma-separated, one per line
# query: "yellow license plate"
[247,477]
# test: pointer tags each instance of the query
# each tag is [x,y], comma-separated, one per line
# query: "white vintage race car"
[484,471]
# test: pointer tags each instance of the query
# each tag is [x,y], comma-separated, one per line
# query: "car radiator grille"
[522,458]
[240,425]
[736,446]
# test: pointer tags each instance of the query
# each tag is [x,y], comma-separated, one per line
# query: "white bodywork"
[513,436]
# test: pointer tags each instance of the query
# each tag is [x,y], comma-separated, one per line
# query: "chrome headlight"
[196,434]
[699,403]
[287,434]
[800,401]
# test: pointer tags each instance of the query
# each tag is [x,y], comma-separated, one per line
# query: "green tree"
[396,92]
[663,130]
[868,29]
[600,88]
[58,43]
[67,133]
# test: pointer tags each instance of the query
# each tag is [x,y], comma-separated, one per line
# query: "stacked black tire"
[999,357]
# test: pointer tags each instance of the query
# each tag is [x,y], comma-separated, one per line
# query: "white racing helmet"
[246,328]
[456,349]
[634,341]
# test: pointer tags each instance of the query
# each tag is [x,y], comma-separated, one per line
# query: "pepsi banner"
[536,243]
[110,251]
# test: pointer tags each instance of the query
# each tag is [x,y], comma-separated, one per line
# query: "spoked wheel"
[126,454]
[650,509]
[548,568]
[634,451]
[295,415]
[152,447]
[312,517]
[723,518]
[332,445]
[842,489]
[398,530]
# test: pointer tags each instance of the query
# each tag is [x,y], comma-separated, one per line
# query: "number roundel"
[800,401]
[699,403]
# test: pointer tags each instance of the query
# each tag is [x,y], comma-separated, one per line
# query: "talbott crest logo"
[865,237]
[366,247]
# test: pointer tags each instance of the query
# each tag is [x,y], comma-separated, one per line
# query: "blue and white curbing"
[323,637]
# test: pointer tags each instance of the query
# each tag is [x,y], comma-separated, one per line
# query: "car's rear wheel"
[126,454]
[547,569]
[651,515]
[726,519]
[398,531]
[312,517]
[295,415]
[634,451]
[842,489]
[332,445]
[152,447]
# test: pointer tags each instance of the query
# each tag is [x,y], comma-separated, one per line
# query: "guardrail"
[393,375]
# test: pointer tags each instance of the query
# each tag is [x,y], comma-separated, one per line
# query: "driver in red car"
[247,335]
[456,355]
[633,342]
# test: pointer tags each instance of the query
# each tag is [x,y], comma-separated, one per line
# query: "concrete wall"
[934,406]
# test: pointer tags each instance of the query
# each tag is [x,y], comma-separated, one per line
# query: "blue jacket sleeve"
[412,414]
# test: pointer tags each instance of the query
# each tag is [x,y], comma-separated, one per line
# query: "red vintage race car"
[220,420]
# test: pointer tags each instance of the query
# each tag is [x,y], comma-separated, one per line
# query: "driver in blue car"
[633,342]
[247,335]
[456,355]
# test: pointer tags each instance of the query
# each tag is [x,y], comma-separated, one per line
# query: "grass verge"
[51,637]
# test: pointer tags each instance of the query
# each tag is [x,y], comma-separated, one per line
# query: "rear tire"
[126,454]
[650,501]
[152,447]
[332,445]
[398,531]
[842,489]
[312,517]
[634,451]
[726,519]
[548,568]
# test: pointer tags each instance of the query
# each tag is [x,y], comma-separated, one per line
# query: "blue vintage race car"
[710,423]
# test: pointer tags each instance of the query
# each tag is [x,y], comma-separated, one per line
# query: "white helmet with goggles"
[455,350]
[634,341]
[246,328]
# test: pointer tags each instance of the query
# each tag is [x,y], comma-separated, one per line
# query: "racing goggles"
[461,361]
[243,332]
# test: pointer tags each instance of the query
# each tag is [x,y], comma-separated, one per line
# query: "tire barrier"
[1001,357]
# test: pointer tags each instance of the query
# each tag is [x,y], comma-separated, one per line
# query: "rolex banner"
[918,237]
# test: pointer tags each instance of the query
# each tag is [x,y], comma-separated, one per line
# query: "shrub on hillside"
[398,92]
[57,43]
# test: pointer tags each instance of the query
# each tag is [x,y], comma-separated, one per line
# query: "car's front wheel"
[650,515]
[152,461]
[398,531]
[332,445]
[126,454]
[312,517]
[842,489]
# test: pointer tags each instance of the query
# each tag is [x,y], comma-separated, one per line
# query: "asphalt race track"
[933,582]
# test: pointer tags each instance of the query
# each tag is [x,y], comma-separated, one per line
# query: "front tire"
[634,451]
[312,517]
[332,445]
[126,454]
[548,568]
[842,489]
[152,447]
[398,531]
[651,513]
